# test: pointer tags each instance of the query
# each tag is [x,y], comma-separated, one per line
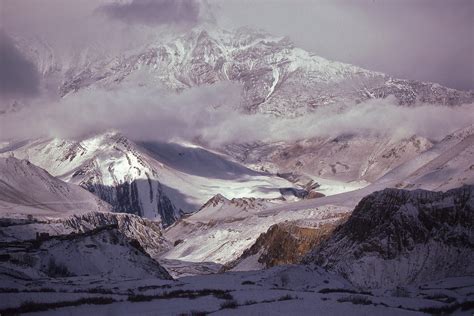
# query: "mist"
[211,115]
[18,75]
[154,12]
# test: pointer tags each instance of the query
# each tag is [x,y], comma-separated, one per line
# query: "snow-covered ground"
[284,290]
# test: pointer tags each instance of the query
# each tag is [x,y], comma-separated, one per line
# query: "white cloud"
[210,114]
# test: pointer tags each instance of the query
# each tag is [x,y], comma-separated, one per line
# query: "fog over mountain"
[210,114]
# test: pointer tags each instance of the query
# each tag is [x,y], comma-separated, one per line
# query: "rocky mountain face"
[397,237]
[283,243]
[110,166]
[147,232]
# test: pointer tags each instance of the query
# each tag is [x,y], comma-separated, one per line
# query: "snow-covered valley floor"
[284,290]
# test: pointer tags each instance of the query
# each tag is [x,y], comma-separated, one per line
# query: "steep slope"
[156,181]
[397,237]
[107,165]
[28,189]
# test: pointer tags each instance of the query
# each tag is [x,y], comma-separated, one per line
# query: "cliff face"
[284,243]
[398,237]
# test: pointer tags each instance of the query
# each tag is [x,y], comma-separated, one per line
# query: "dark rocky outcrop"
[397,237]
[286,243]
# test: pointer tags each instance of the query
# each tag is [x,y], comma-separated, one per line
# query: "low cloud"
[154,12]
[374,117]
[18,75]
[139,112]
[211,115]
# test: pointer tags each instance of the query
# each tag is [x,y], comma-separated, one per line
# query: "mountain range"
[379,221]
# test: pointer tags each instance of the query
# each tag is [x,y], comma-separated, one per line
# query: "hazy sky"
[430,40]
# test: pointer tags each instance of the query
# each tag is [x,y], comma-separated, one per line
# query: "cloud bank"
[211,115]
[154,12]
[18,76]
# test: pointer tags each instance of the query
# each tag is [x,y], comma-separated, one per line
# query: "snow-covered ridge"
[102,250]
[109,166]
[156,181]
[148,233]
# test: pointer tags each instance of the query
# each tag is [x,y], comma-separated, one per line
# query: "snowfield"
[283,290]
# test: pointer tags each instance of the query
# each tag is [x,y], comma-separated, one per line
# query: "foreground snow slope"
[27,189]
[289,290]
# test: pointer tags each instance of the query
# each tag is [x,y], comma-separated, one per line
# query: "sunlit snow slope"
[157,181]
[27,189]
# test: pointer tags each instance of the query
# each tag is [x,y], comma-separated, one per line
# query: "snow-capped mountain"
[28,189]
[156,181]
[397,237]
[277,77]
[110,167]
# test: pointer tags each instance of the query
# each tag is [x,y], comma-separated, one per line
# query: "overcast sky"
[430,40]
